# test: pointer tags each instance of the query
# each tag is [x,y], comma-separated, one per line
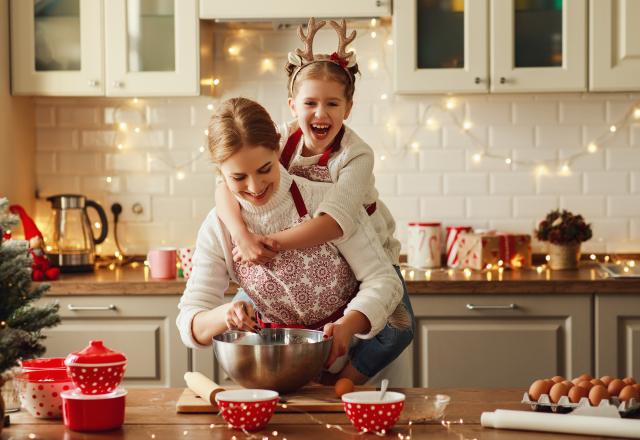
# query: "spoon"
[383,388]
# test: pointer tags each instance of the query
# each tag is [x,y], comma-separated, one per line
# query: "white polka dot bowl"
[40,392]
[247,409]
[370,414]
[96,369]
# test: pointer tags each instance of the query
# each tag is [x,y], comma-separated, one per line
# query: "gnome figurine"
[41,268]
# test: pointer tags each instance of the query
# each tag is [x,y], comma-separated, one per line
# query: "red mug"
[162,263]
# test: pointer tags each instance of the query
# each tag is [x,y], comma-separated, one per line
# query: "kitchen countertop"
[588,279]
[151,412]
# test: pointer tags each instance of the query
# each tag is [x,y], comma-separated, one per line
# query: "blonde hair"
[240,122]
[322,70]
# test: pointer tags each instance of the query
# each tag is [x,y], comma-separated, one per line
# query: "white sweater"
[380,288]
[351,170]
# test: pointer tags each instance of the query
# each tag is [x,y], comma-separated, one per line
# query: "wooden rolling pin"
[202,386]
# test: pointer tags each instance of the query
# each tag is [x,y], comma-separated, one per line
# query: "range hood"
[270,10]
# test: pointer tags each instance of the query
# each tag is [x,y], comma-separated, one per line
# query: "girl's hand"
[254,248]
[240,316]
[341,340]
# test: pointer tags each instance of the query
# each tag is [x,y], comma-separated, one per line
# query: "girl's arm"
[311,233]
[253,248]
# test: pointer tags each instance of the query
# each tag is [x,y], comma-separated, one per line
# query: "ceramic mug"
[162,262]
[185,254]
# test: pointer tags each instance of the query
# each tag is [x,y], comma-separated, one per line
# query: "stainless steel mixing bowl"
[279,359]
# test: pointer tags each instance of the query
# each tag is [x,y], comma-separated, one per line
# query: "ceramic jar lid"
[95,353]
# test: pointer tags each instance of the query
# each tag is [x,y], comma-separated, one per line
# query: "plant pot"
[564,256]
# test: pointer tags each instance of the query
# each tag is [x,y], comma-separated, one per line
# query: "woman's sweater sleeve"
[380,287]
[208,281]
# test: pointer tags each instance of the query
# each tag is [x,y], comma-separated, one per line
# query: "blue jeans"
[372,355]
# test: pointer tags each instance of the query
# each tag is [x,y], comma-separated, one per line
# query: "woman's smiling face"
[252,173]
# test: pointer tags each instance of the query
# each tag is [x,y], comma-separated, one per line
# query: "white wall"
[77,151]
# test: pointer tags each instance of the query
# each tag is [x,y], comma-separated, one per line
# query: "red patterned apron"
[318,172]
[299,288]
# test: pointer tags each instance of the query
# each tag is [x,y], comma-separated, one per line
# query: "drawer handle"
[84,308]
[511,306]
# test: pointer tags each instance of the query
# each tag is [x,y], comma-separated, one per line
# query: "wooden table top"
[151,414]
[588,279]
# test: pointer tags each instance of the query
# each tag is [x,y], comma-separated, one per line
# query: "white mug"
[424,245]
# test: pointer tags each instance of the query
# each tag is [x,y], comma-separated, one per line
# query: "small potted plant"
[564,231]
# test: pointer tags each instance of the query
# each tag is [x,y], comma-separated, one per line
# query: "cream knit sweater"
[380,288]
[351,170]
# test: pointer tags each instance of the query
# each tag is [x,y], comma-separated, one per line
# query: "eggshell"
[606,380]
[628,392]
[557,391]
[636,386]
[539,387]
[585,384]
[568,383]
[557,379]
[576,380]
[615,387]
[598,393]
[576,393]
[629,380]
[597,382]
[585,376]
[343,386]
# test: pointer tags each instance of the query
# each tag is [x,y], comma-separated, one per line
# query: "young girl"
[346,288]
[318,145]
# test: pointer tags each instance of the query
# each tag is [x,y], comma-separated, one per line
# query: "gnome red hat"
[29,226]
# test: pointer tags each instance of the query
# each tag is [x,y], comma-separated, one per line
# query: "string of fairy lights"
[446,110]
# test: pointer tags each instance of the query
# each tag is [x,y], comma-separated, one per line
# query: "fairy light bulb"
[136,130]
[267,65]
[216,81]
[383,157]
[415,146]
[507,161]
[209,106]
[97,225]
[201,149]
[592,257]
[234,51]
[547,257]
[180,175]
[206,132]
[450,104]
[565,170]
[122,126]
[466,125]
[120,147]
[636,113]
[373,22]
[613,129]
[383,97]
[135,100]
[477,157]
[391,126]
[541,170]
[109,179]
[373,65]
[373,35]
[389,42]
[592,148]
[432,124]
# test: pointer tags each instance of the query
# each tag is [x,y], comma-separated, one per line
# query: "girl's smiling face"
[320,107]
[252,173]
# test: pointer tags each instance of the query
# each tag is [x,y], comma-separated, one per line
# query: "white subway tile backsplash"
[635,182]
[128,161]
[535,207]
[75,117]
[581,112]
[623,159]
[559,185]
[535,113]
[513,226]
[494,207]
[48,139]
[101,185]
[485,162]
[45,117]
[601,135]
[407,208]
[73,163]
[635,229]
[147,184]
[201,208]
[48,185]
[489,113]
[386,184]
[442,208]
[556,136]
[605,231]
[512,182]
[45,163]
[578,161]
[174,115]
[624,206]
[588,206]
[442,160]
[466,183]
[140,238]
[201,113]
[418,184]
[606,182]
[193,184]
[635,136]
[181,233]
[531,157]
[187,138]
[145,139]
[402,113]
[616,111]
[101,139]
[395,161]
[453,137]
[507,136]
[171,208]
[168,162]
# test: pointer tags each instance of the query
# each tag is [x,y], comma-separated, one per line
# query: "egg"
[627,393]
[585,376]
[606,380]
[629,380]
[597,394]
[576,393]
[557,379]
[597,382]
[576,380]
[568,383]
[585,384]
[557,391]
[343,386]
[538,388]
[615,387]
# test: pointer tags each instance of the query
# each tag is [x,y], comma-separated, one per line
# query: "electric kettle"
[72,245]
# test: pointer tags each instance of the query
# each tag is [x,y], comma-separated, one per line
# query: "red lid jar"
[96,369]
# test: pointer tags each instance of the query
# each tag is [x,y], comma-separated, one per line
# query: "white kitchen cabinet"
[142,327]
[105,48]
[469,46]
[283,9]
[614,45]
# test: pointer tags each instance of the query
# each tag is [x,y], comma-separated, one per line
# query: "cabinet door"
[151,47]
[269,9]
[142,327]
[56,47]
[614,45]
[538,45]
[440,46]
[480,341]
[618,335]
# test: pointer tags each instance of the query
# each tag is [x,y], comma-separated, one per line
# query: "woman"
[346,288]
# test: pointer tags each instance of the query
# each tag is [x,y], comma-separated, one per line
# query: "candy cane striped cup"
[424,245]
[452,246]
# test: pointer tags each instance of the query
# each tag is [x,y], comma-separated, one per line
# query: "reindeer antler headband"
[302,58]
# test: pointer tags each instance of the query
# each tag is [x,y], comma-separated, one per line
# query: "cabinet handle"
[503,80]
[477,80]
[118,84]
[93,83]
[511,306]
[84,308]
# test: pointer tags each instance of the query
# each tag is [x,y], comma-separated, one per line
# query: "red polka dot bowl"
[96,369]
[368,413]
[247,409]
[43,364]
[40,391]
[87,413]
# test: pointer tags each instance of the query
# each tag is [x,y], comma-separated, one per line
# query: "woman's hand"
[254,248]
[240,316]
[341,340]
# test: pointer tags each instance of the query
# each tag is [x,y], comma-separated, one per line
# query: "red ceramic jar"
[43,364]
[86,413]
[96,369]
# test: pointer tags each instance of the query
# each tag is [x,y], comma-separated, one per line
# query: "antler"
[312,28]
[344,41]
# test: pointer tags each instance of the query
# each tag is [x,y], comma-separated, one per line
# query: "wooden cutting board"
[314,398]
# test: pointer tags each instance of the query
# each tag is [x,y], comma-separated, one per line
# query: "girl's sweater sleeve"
[344,201]
[208,281]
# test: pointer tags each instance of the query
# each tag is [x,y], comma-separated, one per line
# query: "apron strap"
[290,148]
[335,146]
[298,200]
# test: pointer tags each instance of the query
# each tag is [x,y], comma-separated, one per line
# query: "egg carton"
[564,405]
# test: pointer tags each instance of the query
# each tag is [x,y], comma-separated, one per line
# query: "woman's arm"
[235,315]
[353,322]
